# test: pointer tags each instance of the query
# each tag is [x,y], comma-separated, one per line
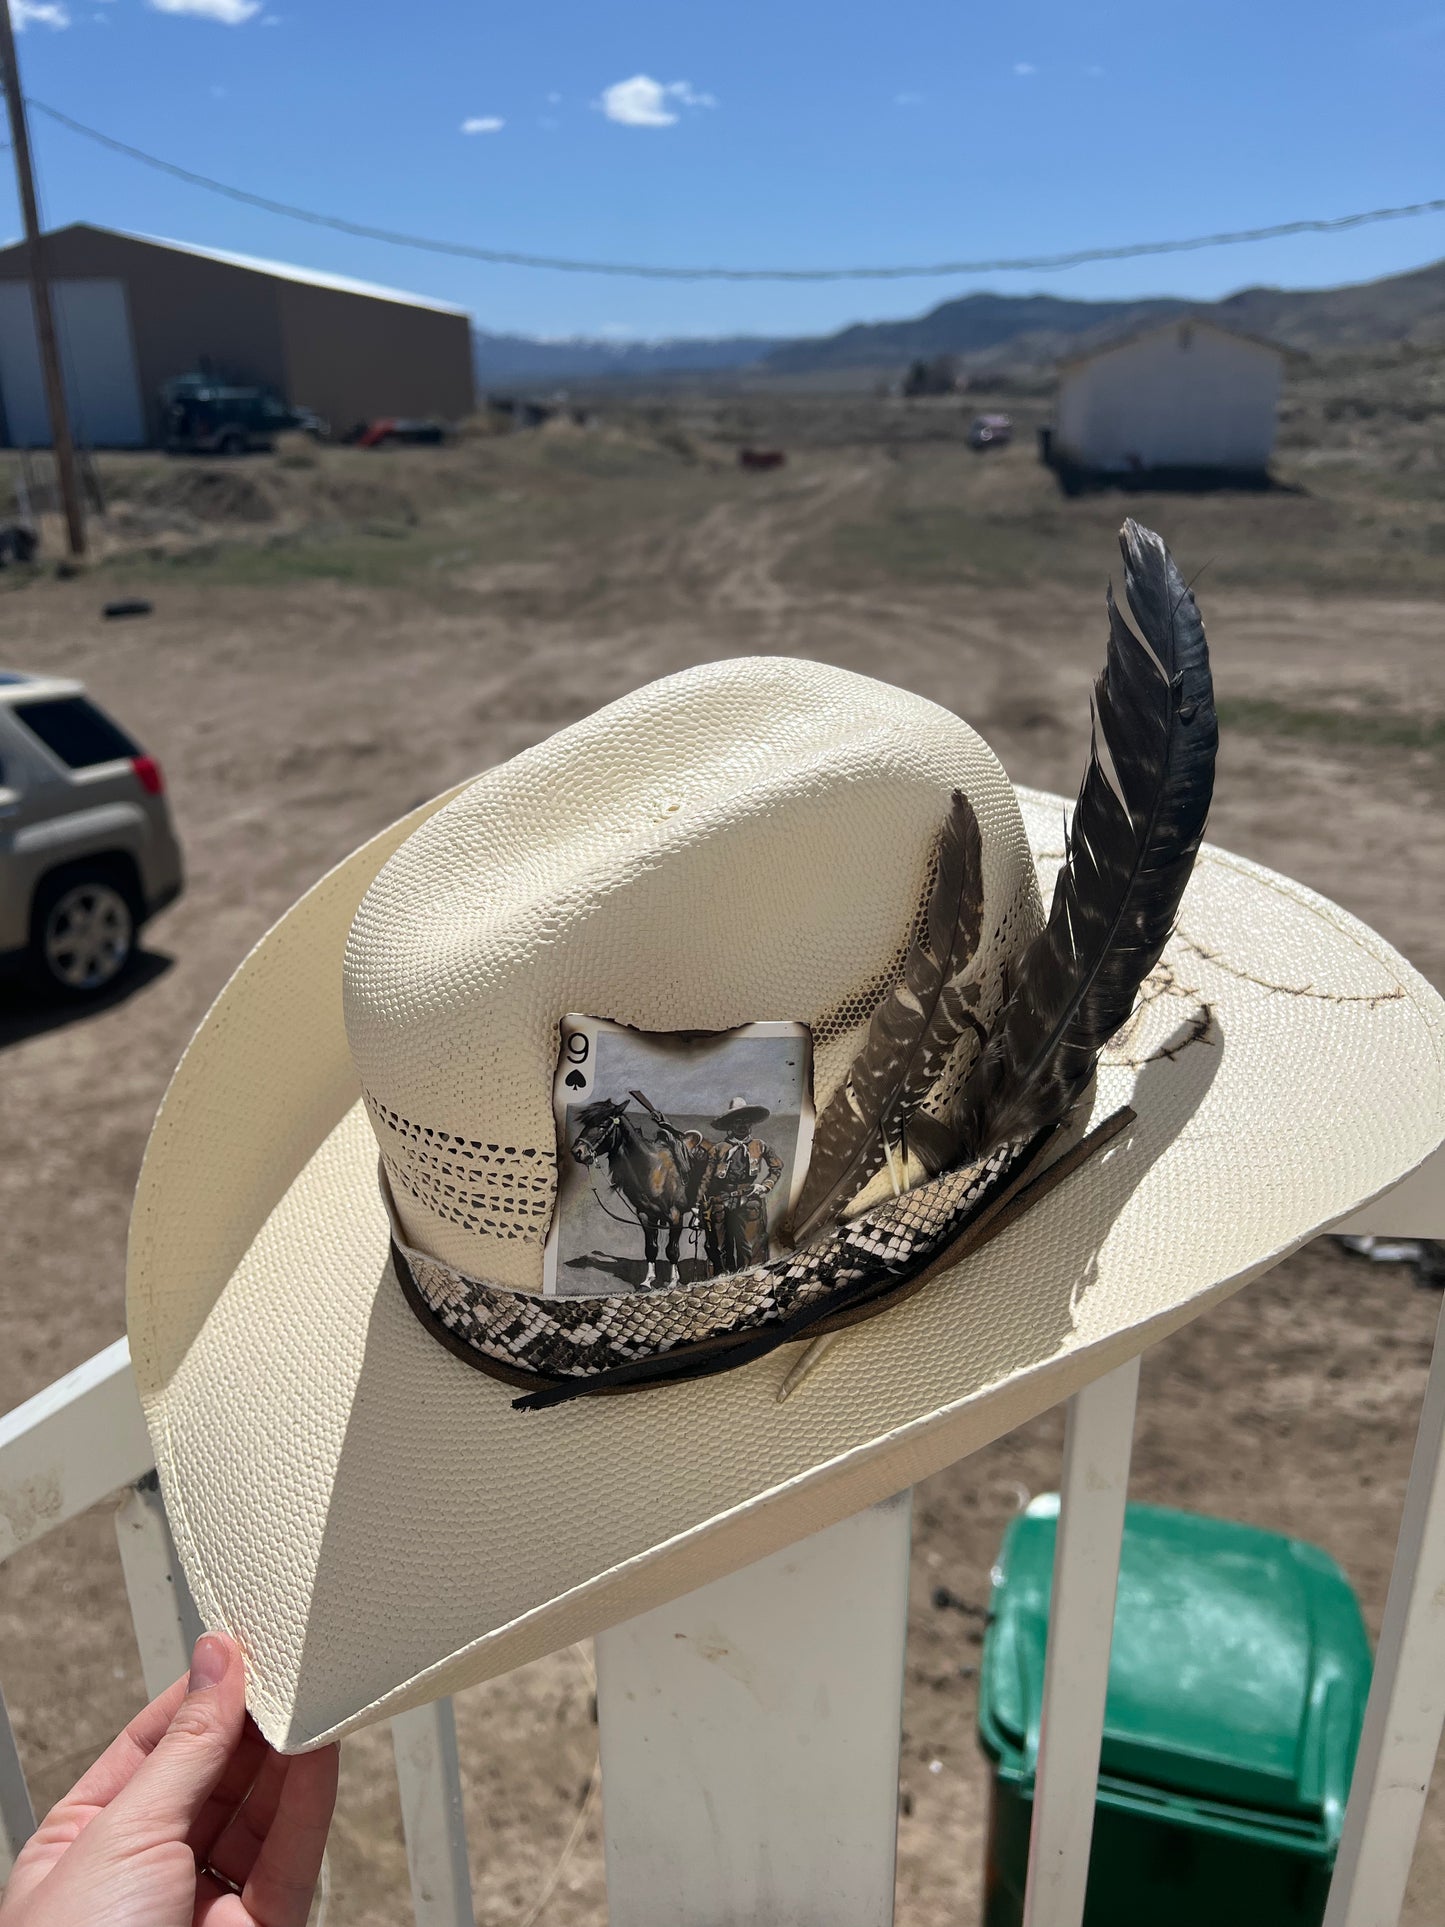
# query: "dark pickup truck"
[205,417]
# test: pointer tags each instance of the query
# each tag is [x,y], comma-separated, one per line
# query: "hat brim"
[745,1116]
[376,1526]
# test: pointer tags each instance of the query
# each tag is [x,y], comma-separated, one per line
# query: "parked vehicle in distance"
[202,416]
[990,431]
[761,458]
[88,852]
[392,428]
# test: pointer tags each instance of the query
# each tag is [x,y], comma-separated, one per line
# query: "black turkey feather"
[873,1114]
[1131,846]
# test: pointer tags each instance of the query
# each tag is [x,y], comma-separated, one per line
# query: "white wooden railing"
[715,1711]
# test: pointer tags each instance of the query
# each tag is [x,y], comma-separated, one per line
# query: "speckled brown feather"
[911,1037]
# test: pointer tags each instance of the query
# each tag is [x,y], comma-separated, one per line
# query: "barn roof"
[1110,344]
[279,270]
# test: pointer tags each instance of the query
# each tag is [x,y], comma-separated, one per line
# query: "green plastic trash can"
[1237,1687]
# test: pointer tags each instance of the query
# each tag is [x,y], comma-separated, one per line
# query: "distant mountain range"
[973,325]
[500,359]
[1404,307]
[990,330]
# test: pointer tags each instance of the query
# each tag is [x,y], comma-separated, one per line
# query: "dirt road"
[295,715]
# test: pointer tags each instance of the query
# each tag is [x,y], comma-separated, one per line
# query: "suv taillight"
[148,773]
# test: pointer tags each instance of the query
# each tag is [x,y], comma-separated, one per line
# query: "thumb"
[167,1792]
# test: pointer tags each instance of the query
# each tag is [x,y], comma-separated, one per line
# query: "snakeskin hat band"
[462,1117]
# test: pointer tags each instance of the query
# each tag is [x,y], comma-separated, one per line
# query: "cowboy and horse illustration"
[671,1180]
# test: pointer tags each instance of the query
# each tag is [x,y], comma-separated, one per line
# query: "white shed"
[1185,395]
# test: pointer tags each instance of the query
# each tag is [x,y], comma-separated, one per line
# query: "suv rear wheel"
[83,932]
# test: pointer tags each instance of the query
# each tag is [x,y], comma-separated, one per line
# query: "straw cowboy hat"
[1022,1171]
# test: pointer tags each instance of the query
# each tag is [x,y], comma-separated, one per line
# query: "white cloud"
[1024,67]
[554,100]
[639,102]
[483,124]
[230,13]
[45,13]
[645,102]
[908,100]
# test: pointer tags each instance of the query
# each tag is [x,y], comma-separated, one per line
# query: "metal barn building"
[1184,396]
[132,313]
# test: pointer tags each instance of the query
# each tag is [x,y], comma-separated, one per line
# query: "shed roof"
[1130,336]
[279,270]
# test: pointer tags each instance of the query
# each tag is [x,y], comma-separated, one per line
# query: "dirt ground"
[302,689]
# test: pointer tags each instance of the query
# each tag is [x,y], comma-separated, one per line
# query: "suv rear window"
[76,731]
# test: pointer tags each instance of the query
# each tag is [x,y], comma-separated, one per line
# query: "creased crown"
[747,840]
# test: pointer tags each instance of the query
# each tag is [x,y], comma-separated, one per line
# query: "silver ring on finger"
[223,1881]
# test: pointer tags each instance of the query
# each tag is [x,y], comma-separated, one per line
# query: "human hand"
[188,1819]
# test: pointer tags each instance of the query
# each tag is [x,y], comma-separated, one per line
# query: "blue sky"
[757,132]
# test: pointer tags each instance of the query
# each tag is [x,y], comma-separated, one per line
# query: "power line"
[506,257]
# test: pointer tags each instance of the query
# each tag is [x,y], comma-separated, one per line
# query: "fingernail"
[208,1663]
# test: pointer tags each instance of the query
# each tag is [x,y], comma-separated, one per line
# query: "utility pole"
[40,289]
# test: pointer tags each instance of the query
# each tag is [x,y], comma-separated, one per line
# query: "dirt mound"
[177,501]
[206,492]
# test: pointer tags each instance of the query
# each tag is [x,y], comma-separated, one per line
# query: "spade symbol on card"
[575,1081]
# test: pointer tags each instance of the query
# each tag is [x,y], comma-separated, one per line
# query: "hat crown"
[747,840]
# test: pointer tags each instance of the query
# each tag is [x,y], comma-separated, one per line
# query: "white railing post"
[1098,1441]
[17,1816]
[162,1610]
[429,1776]
[750,1735]
[70,1446]
[60,1452]
[1406,1711]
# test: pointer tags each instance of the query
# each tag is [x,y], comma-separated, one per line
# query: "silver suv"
[87,850]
